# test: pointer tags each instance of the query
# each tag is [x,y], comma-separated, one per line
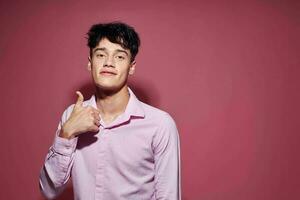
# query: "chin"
[109,88]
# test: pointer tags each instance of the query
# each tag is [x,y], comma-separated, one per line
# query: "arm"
[167,161]
[56,171]
[58,163]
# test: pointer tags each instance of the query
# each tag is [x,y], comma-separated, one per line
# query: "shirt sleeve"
[167,161]
[58,163]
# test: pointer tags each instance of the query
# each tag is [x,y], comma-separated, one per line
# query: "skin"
[110,65]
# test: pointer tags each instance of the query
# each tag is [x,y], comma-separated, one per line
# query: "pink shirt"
[136,157]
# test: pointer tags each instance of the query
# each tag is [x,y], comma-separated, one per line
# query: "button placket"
[101,164]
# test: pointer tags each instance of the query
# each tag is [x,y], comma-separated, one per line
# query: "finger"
[96,122]
[96,111]
[94,128]
[92,109]
[79,99]
[96,116]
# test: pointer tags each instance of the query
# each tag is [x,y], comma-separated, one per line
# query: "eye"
[120,57]
[100,55]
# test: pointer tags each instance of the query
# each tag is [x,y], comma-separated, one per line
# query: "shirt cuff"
[64,146]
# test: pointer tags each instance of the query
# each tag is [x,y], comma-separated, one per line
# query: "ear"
[132,68]
[89,65]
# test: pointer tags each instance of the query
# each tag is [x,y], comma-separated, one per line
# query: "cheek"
[95,66]
[94,71]
[97,62]
[125,74]
[124,68]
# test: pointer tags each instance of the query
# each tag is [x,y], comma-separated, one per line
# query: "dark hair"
[115,32]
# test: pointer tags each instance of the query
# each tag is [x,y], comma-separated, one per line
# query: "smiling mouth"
[105,73]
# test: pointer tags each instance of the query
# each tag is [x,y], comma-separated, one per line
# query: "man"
[114,146]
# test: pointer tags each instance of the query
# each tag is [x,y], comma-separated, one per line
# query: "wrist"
[65,133]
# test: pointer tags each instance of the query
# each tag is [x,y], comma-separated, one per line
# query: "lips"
[107,73]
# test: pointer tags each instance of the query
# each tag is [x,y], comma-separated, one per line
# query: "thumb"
[79,99]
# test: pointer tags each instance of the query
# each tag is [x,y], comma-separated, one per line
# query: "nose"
[109,62]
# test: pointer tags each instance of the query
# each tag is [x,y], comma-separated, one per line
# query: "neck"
[112,104]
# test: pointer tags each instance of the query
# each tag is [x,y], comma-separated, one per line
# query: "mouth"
[107,73]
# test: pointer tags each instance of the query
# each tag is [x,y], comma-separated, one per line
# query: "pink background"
[227,71]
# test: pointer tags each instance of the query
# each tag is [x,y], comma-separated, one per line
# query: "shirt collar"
[134,109]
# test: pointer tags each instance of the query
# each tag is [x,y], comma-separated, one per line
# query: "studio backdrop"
[227,72]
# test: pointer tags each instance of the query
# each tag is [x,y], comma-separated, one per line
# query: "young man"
[114,146]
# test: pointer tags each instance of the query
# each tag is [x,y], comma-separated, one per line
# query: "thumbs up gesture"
[81,120]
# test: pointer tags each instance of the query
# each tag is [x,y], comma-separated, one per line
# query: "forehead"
[107,45]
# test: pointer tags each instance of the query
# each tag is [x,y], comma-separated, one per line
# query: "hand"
[81,120]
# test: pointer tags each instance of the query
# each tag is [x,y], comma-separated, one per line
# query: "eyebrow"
[104,49]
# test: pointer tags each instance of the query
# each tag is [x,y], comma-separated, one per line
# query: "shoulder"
[158,116]
[166,134]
